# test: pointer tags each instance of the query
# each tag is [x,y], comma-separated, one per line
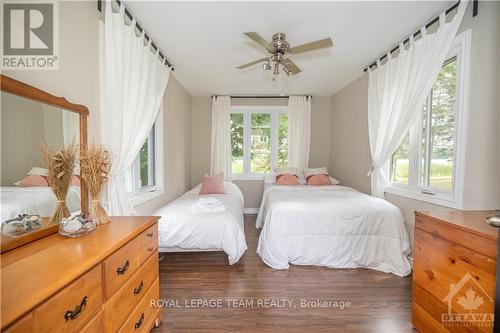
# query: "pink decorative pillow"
[213,184]
[75,181]
[287,179]
[34,181]
[319,180]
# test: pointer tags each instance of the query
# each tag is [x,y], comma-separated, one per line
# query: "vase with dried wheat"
[95,164]
[60,166]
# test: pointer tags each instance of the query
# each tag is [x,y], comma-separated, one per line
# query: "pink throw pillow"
[319,180]
[34,181]
[213,184]
[287,179]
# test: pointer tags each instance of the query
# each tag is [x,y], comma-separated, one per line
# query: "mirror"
[30,117]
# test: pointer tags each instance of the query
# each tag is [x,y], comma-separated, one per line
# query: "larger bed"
[184,227]
[332,226]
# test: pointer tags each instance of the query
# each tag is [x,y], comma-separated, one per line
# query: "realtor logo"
[469,305]
[30,35]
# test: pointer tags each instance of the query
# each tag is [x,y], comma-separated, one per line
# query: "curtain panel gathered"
[299,131]
[397,91]
[133,82]
[220,154]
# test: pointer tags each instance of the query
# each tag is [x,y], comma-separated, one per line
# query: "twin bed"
[333,226]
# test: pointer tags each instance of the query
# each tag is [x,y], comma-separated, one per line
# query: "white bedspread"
[333,226]
[34,200]
[182,227]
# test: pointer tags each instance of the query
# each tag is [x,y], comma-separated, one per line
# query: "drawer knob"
[150,234]
[73,314]
[151,249]
[138,289]
[123,269]
[139,323]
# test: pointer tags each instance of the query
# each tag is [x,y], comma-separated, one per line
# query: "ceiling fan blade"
[290,66]
[319,44]
[252,63]
[260,40]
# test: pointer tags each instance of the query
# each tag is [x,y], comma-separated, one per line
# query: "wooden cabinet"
[102,282]
[454,272]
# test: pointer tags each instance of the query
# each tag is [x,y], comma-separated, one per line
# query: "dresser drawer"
[73,306]
[119,307]
[148,235]
[120,266]
[142,314]
[147,250]
[24,325]
[95,325]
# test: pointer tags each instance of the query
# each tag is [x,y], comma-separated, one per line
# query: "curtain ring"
[122,8]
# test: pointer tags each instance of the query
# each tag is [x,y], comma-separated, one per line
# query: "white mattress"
[182,228]
[332,226]
[34,200]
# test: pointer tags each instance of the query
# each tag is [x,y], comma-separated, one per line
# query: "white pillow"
[270,178]
[315,171]
[287,171]
[38,171]
[334,181]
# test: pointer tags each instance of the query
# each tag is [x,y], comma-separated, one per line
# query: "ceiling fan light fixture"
[276,68]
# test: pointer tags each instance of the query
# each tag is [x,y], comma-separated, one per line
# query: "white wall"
[350,156]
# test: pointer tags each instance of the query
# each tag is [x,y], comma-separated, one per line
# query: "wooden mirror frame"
[22,89]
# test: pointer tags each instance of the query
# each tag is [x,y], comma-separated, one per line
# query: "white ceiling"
[205,41]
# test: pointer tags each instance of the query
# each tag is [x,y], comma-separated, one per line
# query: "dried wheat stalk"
[95,164]
[60,165]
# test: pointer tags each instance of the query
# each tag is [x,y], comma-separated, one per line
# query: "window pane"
[144,164]
[260,153]
[442,133]
[237,142]
[400,162]
[282,140]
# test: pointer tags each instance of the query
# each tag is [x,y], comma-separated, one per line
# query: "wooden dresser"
[454,272]
[101,282]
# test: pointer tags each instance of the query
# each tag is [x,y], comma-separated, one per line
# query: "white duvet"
[332,226]
[34,200]
[182,227]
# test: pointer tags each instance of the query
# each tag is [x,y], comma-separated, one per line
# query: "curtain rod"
[138,26]
[475,10]
[262,96]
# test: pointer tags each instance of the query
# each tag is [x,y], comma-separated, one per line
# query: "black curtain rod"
[138,26]
[418,32]
[260,96]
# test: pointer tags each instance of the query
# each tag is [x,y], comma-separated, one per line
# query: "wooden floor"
[274,299]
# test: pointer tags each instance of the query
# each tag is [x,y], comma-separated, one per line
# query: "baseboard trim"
[252,211]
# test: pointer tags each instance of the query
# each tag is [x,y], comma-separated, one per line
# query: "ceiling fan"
[279,49]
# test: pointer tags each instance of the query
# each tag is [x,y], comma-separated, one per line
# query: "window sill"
[248,177]
[437,199]
[144,196]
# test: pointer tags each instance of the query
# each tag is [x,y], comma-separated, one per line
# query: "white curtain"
[397,91]
[299,131]
[220,154]
[133,81]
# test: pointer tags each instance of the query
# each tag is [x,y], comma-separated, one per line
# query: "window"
[144,179]
[258,140]
[428,165]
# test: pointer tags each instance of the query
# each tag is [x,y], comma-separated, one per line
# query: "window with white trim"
[144,179]
[258,140]
[428,165]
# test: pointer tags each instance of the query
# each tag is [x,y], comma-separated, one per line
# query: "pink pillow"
[34,181]
[75,181]
[287,179]
[319,180]
[213,184]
